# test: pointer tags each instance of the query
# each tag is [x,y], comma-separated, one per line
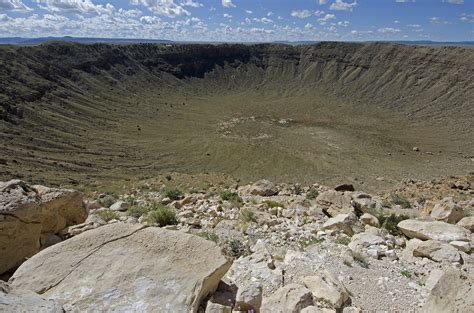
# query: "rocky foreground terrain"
[254,248]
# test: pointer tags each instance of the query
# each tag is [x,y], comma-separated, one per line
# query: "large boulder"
[264,188]
[60,208]
[437,251]
[326,288]
[29,213]
[467,222]
[123,267]
[20,223]
[453,291]
[334,202]
[256,267]
[361,242]
[434,230]
[291,298]
[447,211]
[347,223]
[13,300]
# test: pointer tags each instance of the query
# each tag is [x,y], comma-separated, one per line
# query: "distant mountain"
[436,43]
[36,41]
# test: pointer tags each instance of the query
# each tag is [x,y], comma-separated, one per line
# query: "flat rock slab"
[14,300]
[123,267]
[434,230]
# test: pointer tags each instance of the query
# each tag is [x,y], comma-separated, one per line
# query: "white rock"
[361,241]
[120,206]
[467,222]
[369,219]
[437,251]
[447,211]
[291,298]
[434,230]
[452,292]
[463,246]
[347,223]
[13,300]
[327,288]
[140,269]
[249,296]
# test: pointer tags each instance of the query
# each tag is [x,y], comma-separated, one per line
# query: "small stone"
[463,246]
[120,206]
[369,219]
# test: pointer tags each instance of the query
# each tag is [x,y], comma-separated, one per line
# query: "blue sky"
[241,20]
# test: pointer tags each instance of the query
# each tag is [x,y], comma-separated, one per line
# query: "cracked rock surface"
[159,271]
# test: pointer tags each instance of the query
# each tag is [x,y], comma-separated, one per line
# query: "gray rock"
[347,223]
[14,300]
[334,202]
[159,270]
[121,206]
[291,298]
[467,223]
[264,188]
[451,292]
[447,211]
[437,251]
[434,230]
[369,219]
[326,288]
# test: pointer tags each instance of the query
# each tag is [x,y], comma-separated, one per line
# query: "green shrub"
[172,193]
[235,248]
[107,215]
[161,215]
[209,236]
[401,201]
[232,197]
[343,240]
[406,273]
[390,221]
[109,199]
[228,195]
[312,193]
[273,204]
[138,210]
[247,215]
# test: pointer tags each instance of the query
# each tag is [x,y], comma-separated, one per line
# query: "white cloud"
[13,5]
[438,20]
[191,3]
[228,4]
[75,6]
[248,11]
[270,13]
[227,15]
[263,20]
[309,26]
[342,6]
[161,7]
[414,25]
[396,22]
[301,13]
[318,12]
[469,18]
[343,23]
[322,2]
[389,30]
[455,1]
[326,18]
